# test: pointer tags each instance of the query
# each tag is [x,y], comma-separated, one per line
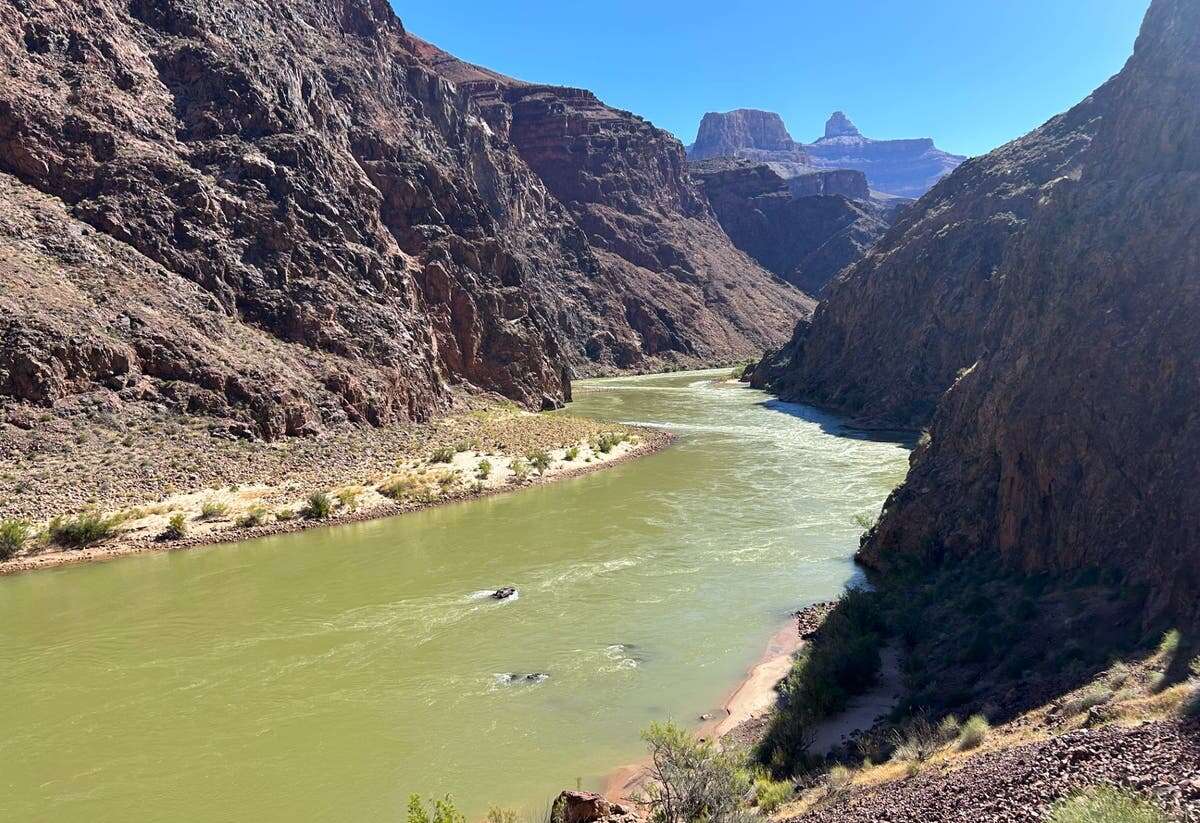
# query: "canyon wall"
[1070,438]
[801,233]
[363,240]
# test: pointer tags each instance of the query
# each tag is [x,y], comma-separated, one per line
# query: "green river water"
[324,676]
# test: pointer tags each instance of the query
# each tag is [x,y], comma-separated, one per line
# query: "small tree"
[691,780]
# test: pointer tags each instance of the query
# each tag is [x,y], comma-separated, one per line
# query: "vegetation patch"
[843,660]
[13,535]
[319,506]
[82,530]
[1106,805]
[176,529]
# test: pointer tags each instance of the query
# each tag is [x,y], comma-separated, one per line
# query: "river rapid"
[328,674]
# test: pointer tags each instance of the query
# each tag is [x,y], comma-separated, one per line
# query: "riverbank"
[746,708]
[238,490]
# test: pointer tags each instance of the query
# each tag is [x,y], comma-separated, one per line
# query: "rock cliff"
[325,193]
[804,233]
[903,168]
[1070,438]
[907,168]
[664,265]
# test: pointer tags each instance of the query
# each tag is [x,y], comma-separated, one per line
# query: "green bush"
[540,459]
[772,794]
[82,530]
[484,470]
[572,453]
[284,515]
[691,780]
[949,728]
[520,469]
[319,507]
[444,811]
[400,487]
[256,516]
[1105,805]
[607,441]
[974,732]
[348,497]
[213,510]
[1095,695]
[13,534]
[176,527]
[443,454]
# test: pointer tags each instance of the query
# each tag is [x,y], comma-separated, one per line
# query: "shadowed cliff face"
[1073,441]
[805,236]
[325,187]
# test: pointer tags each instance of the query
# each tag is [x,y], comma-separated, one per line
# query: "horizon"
[1029,60]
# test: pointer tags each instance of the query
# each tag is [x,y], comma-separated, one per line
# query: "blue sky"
[971,73]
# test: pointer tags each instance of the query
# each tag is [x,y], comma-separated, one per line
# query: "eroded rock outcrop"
[685,293]
[805,238]
[1070,438]
[328,190]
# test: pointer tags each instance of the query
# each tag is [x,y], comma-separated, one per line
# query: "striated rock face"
[806,238]
[725,134]
[894,332]
[681,289]
[325,192]
[1072,438]
[907,168]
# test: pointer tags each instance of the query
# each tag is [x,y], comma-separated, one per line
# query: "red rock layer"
[324,186]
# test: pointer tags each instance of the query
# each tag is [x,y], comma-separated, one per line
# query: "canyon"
[1035,314]
[321,228]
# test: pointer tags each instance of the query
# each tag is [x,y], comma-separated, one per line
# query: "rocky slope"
[804,234]
[344,235]
[904,168]
[1073,441]
[907,168]
[1051,287]
[664,264]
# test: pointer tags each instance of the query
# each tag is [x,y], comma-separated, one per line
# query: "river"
[326,675]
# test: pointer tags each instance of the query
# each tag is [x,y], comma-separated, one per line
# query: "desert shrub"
[442,454]
[176,527]
[318,507]
[484,470]
[1118,676]
[1095,695]
[1169,645]
[1194,667]
[974,732]
[540,459]
[444,811]
[498,815]
[256,516]
[400,487]
[772,794]
[572,453]
[607,441]
[284,515]
[348,497]
[949,728]
[213,510]
[917,739]
[13,534]
[691,780]
[1105,805]
[840,778]
[83,529]
[520,469]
